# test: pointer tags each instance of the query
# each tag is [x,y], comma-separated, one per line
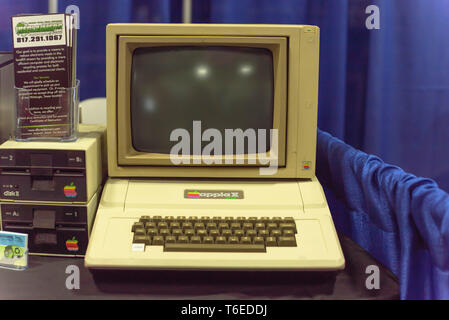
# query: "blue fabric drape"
[407,105]
[400,219]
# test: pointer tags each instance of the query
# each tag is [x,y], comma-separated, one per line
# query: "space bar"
[199,247]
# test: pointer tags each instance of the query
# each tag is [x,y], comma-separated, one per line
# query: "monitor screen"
[224,87]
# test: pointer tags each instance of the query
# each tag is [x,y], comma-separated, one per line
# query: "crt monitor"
[213,101]
[223,87]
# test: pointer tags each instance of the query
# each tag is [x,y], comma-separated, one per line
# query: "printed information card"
[44,65]
[13,250]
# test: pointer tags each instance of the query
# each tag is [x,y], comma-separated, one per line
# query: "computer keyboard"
[214,234]
[276,226]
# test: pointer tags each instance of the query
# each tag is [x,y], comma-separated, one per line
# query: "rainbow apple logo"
[72,245]
[193,195]
[70,191]
[306,165]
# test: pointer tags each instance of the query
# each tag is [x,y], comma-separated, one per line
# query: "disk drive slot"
[42,183]
[68,173]
[15,171]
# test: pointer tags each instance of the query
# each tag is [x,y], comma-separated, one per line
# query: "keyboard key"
[226,233]
[265,220]
[193,219]
[140,231]
[251,233]
[287,226]
[170,239]
[276,233]
[156,219]
[176,232]
[158,240]
[164,232]
[181,219]
[183,239]
[259,226]
[240,219]
[201,232]
[235,226]
[195,239]
[187,225]
[169,219]
[270,242]
[287,242]
[175,225]
[220,240]
[211,226]
[263,233]
[214,233]
[145,219]
[272,226]
[233,240]
[205,219]
[141,239]
[259,240]
[222,226]
[245,240]
[288,233]
[137,225]
[199,225]
[239,233]
[152,232]
[162,225]
[208,240]
[189,247]
[229,219]
[150,225]
[288,220]
[189,232]
[247,226]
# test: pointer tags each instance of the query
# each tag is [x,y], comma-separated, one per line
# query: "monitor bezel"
[128,155]
[302,98]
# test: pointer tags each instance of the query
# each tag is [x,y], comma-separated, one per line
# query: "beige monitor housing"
[295,51]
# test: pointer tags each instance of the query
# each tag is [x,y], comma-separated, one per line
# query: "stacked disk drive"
[50,190]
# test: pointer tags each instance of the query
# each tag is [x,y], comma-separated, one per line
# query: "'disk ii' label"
[43,52]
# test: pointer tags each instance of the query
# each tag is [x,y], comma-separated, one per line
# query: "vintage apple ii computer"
[211,151]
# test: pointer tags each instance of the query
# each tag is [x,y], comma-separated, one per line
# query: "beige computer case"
[91,140]
[124,201]
[297,132]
